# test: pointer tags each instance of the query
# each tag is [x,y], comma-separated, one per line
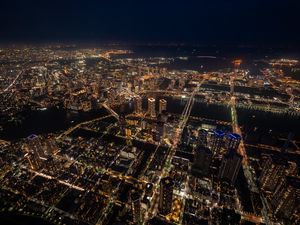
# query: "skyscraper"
[272,172]
[230,166]
[286,198]
[166,195]
[50,147]
[202,136]
[216,141]
[138,105]
[35,145]
[162,105]
[232,141]
[136,206]
[203,157]
[151,107]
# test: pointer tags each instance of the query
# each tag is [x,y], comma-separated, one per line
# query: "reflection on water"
[54,120]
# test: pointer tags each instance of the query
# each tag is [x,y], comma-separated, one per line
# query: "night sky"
[199,21]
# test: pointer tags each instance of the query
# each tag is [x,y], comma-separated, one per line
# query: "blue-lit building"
[232,141]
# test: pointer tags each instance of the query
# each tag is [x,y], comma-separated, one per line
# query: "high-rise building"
[160,129]
[166,195]
[216,141]
[202,136]
[50,147]
[35,145]
[230,166]
[136,206]
[232,141]
[162,105]
[203,157]
[138,105]
[151,107]
[186,135]
[273,172]
[285,200]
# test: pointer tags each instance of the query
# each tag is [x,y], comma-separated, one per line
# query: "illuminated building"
[216,141]
[138,105]
[136,207]
[272,173]
[50,165]
[166,195]
[168,131]
[33,160]
[286,198]
[151,107]
[181,83]
[162,105]
[172,84]
[50,147]
[160,129]
[35,145]
[186,135]
[232,141]
[230,166]
[202,136]
[203,157]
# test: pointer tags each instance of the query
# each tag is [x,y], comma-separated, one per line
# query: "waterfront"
[54,120]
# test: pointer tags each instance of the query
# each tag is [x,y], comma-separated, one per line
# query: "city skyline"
[150,112]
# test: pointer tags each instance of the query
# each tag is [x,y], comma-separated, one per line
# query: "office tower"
[202,136]
[162,105]
[138,105]
[151,107]
[166,195]
[186,135]
[273,172]
[203,157]
[216,141]
[230,166]
[286,198]
[136,206]
[35,145]
[232,141]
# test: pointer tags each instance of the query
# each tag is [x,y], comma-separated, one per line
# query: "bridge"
[245,163]
[71,129]
[113,113]
[172,150]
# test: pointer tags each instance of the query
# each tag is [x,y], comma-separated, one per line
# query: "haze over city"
[149,112]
